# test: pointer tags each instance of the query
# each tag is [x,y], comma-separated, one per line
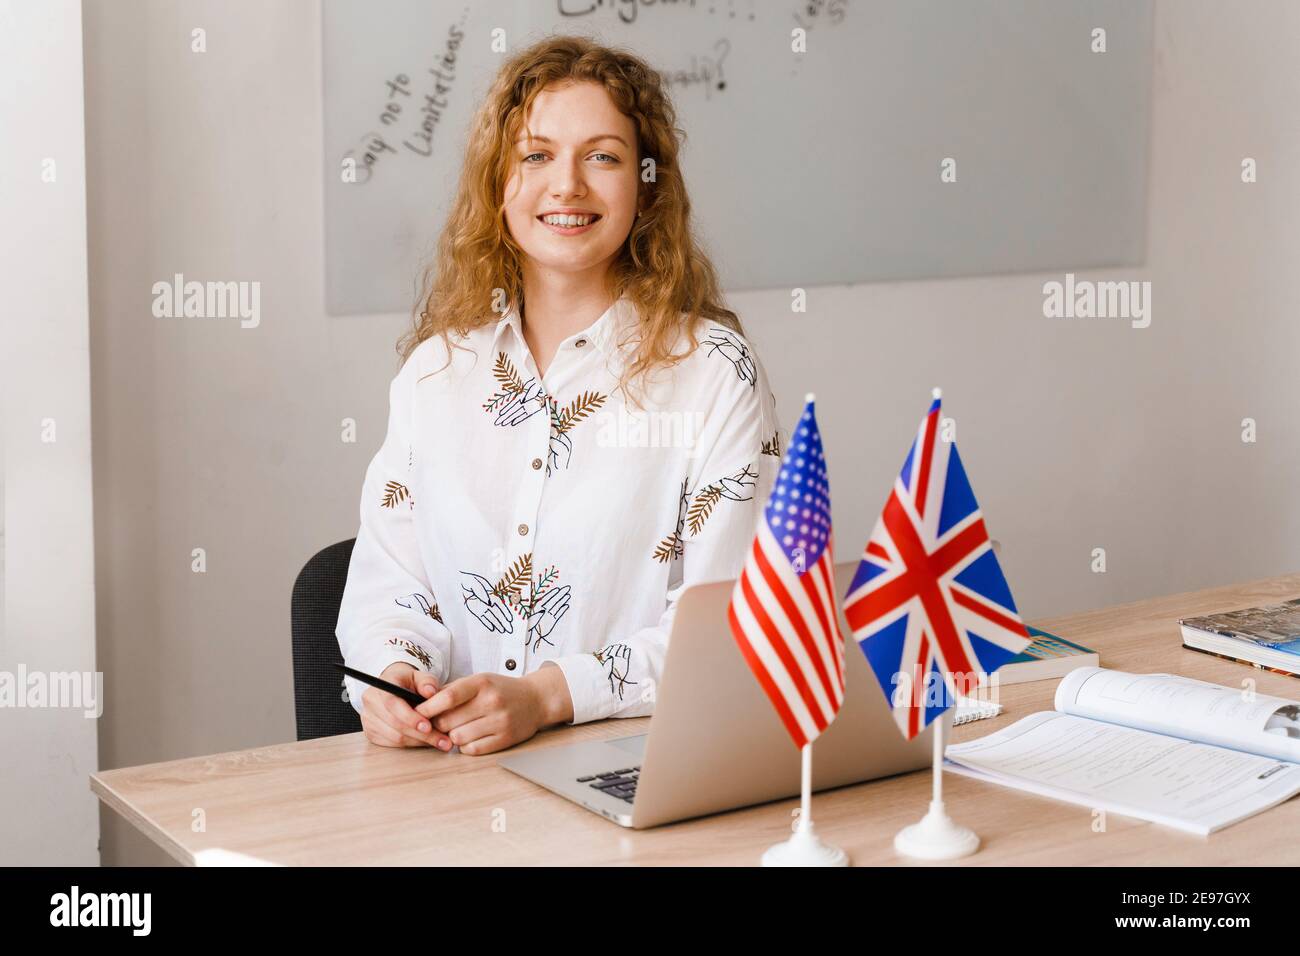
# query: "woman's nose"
[566,178]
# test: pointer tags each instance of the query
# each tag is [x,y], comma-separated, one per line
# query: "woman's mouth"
[569,225]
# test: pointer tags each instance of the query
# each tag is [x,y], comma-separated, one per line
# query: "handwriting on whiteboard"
[627,9]
[704,71]
[409,118]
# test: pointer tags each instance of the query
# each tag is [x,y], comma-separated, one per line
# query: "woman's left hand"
[484,713]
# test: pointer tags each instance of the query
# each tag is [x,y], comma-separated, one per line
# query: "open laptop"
[715,742]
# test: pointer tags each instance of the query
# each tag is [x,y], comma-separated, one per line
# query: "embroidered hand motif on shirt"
[422,603]
[496,606]
[517,400]
[671,546]
[772,446]
[394,494]
[724,342]
[482,600]
[546,604]
[419,653]
[737,487]
[559,444]
[545,612]
[617,659]
[522,405]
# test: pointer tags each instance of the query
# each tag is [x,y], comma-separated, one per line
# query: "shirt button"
[580,343]
[523,530]
[537,463]
[510,664]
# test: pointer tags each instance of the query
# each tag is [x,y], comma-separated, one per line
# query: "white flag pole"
[937,836]
[805,848]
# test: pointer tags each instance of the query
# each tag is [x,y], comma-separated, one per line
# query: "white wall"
[47,812]
[1077,434]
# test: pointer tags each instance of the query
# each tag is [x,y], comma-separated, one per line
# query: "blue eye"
[609,158]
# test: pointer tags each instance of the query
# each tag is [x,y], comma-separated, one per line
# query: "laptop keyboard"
[616,783]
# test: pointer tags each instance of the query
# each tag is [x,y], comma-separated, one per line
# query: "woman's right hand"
[390,721]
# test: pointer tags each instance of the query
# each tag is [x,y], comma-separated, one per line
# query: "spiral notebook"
[968,709]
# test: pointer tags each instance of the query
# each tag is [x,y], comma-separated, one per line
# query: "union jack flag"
[929,604]
[782,610]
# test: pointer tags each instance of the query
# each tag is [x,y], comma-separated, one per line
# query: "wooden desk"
[342,800]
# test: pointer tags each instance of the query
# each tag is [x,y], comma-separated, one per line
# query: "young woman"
[578,430]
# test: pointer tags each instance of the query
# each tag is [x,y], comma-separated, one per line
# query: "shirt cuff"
[588,687]
[378,654]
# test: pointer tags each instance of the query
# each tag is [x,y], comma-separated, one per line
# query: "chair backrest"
[318,697]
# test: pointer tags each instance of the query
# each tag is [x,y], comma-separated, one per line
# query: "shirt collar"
[606,333]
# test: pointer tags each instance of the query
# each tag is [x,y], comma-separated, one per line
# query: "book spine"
[1238,660]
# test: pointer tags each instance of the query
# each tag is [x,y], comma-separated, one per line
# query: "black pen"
[410,696]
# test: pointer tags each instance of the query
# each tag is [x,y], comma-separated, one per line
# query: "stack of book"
[1048,657]
[1265,637]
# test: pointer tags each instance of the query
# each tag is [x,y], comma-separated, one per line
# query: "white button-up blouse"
[512,520]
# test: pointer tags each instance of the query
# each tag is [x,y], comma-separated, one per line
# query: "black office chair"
[314,613]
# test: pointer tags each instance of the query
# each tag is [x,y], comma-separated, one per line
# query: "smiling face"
[576,158]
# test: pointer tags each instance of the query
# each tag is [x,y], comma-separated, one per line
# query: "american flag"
[929,604]
[782,610]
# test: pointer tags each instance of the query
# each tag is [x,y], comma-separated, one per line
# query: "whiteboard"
[804,168]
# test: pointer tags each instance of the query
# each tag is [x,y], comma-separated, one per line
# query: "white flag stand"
[805,848]
[937,836]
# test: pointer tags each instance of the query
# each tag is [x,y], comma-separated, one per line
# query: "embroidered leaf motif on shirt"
[726,343]
[617,660]
[671,546]
[575,411]
[546,579]
[504,372]
[510,587]
[773,445]
[419,653]
[737,487]
[560,446]
[395,493]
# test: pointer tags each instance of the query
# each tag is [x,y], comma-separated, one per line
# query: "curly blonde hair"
[661,268]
